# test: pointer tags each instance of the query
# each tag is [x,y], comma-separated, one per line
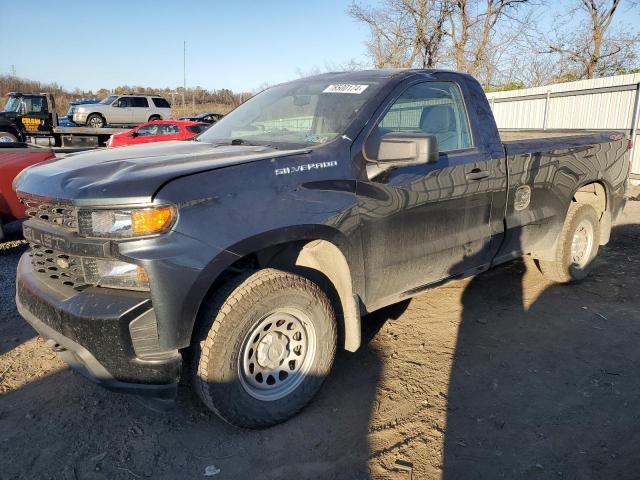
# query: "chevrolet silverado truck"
[249,256]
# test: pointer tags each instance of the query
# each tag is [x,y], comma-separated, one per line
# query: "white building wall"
[602,103]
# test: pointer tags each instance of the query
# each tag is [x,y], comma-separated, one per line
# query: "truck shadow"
[542,385]
[62,426]
[543,382]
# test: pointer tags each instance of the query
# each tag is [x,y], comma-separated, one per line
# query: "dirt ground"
[501,376]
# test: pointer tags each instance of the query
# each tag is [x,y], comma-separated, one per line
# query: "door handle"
[477,174]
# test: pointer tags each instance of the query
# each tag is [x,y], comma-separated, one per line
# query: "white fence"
[611,103]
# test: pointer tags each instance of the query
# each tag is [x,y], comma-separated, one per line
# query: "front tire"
[6,137]
[95,120]
[267,343]
[577,246]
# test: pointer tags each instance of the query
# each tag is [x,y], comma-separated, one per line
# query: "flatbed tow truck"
[31,117]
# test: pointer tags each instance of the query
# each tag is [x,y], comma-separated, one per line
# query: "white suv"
[122,110]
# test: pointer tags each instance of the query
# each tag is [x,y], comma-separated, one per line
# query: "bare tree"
[464,34]
[594,48]
[404,33]
[476,36]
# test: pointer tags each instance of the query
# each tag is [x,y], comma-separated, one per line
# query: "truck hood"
[132,175]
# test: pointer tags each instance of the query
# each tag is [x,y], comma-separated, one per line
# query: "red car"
[158,131]
[15,157]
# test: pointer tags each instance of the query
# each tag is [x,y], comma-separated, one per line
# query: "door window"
[161,103]
[122,102]
[148,130]
[168,129]
[34,105]
[435,108]
[139,102]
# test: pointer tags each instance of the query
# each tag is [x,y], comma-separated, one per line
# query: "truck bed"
[509,136]
[529,141]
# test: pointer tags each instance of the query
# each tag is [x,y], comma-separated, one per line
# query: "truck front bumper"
[90,330]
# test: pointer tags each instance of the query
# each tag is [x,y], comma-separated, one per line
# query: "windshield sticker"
[305,168]
[311,138]
[345,88]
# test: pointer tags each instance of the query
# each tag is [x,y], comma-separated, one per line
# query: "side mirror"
[403,149]
[134,134]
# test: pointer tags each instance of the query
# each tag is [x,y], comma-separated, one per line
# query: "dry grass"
[179,110]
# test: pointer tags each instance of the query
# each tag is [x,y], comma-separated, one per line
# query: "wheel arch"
[321,255]
[595,193]
[12,129]
[104,117]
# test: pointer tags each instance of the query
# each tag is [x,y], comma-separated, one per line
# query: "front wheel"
[95,120]
[577,246]
[268,342]
[6,137]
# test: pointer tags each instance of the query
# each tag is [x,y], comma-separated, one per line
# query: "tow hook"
[55,346]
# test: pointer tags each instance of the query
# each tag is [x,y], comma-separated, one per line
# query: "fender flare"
[317,247]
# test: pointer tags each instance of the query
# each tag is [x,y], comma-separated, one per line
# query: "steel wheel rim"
[582,244]
[277,354]
[95,122]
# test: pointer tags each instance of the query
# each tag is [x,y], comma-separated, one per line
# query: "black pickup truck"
[254,252]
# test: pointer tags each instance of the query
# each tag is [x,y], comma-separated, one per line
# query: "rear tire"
[6,137]
[95,120]
[577,246]
[153,118]
[266,345]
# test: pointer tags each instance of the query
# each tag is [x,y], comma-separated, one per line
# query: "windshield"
[13,105]
[293,115]
[108,100]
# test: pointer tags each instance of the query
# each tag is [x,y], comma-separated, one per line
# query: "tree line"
[196,95]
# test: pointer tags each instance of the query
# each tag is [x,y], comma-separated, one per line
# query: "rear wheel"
[576,247]
[153,118]
[6,137]
[267,344]
[95,120]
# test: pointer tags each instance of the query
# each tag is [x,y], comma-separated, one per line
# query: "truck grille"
[60,215]
[58,267]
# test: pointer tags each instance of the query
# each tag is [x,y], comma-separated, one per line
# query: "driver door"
[122,112]
[424,223]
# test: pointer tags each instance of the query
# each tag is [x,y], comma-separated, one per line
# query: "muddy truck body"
[254,252]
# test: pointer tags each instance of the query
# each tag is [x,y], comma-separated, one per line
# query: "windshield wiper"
[242,141]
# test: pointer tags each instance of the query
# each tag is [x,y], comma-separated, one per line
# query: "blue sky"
[238,44]
[235,44]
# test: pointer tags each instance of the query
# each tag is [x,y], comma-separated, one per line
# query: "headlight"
[115,274]
[129,223]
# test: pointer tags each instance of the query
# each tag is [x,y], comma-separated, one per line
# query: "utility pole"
[184,71]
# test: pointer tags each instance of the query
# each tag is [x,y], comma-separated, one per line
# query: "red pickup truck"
[15,157]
